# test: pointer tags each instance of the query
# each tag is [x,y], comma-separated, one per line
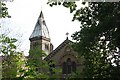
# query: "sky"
[24,15]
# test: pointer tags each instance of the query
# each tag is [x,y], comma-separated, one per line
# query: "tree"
[35,64]
[12,61]
[98,37]
[3,10]
[99,24]
[37,67]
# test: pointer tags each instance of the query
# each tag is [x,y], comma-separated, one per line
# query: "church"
[64,56]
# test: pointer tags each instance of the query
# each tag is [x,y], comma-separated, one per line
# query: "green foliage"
[35,64]
[71,5]
[54,71]
[12,60]
[11,66]
[8,46]
[38,68]
[3,10]
[98,38]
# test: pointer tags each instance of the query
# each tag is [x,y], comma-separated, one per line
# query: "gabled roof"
[40,29]
[67,41]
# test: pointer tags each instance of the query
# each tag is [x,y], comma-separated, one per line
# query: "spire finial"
[67,35]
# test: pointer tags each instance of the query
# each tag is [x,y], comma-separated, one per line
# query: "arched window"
[46,46]
[68,66]
[73,66]
[64,68]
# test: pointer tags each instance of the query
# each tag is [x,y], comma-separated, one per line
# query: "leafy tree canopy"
[98,38]
[3,10]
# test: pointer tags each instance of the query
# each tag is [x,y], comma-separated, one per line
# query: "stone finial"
[67,35]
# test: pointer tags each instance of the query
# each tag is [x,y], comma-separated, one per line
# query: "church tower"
[40,36]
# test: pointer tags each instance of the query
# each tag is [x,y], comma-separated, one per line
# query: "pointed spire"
[40,29]
[41,14]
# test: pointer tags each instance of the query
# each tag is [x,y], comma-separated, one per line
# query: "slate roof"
[40,28]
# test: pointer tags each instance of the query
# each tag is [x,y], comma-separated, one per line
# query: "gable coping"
[57,49]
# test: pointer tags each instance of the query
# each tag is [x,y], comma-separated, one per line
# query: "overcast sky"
[25,13]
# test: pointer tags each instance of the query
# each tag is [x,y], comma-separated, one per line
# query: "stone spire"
[40,29]
[41,13]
